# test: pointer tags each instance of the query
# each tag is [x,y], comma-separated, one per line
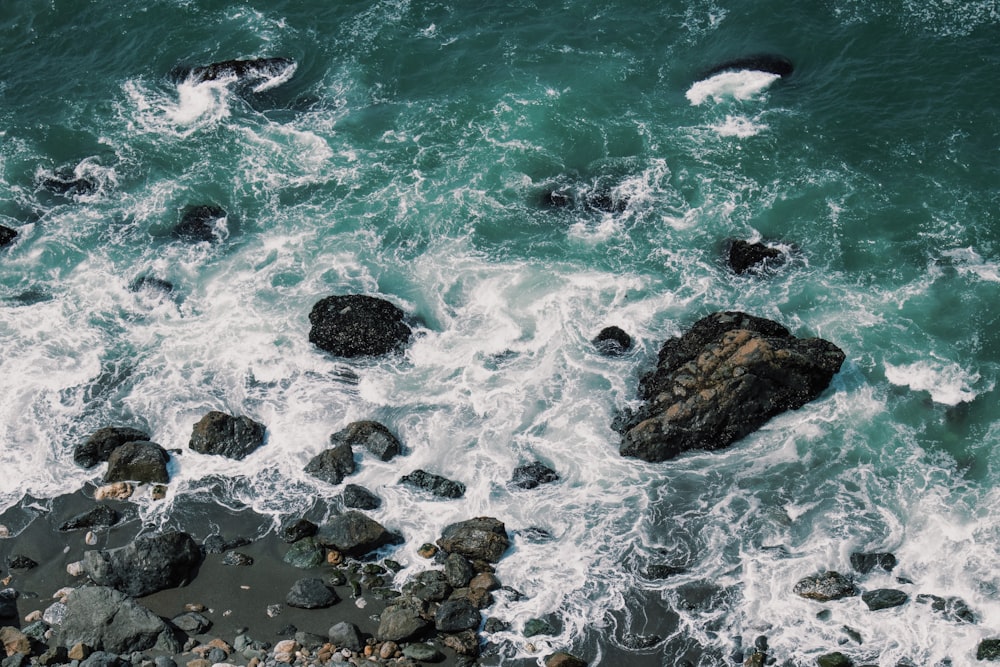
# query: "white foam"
[947,382]
[968,262]
[738,126]
[738,85]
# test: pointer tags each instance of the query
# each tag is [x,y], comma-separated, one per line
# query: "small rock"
[79,651]
[284,651]
[33,616]
[90,539]
[237,558]
[273,610]
[370,435]
[494,624]
[745,256]
[485,581]
[825,587]
[55,613]
[562,659]
[532,475]
[462,643]
[437,485]
[422,652]
[75,569]
[612,342]
[835,659]
[305,554]
[388,650]
[192,623]
[458,570]
[116,491]
[20,562]
[884,598]
[311,594]
[988,649]
[866,562]
[100,516]
[297,530]
[4,532]
[427,550]
[360,498]
[14,641]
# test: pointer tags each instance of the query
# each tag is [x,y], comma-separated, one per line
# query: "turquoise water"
[407,157]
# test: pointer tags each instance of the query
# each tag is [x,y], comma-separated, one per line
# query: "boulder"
[482,538]
[253,70]
[305,554]
[866,562]
[98,447]
[835,659]
[371,435]
[100,516]
[723,379]
[354,534]
[296,530]
[533,474]
[198,223]
[562,659]
[192,622]
[988,649]
[744,256]
[612,342]
[360,498]
[458,570]
[884,598]
[430,585]
[148,564]
[456,615]
[8,603]
[107,620]
[952,608]
[225,435]
[402,619]
[7,236]
[138,461]
[356,325]
[537,626]
[332,465]
[311,594]
[825,587]
[436,485]
[346,635]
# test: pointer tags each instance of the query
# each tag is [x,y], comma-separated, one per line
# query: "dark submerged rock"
[434,484]
[884,598]
[722,380]
[148,564]
[835,659]
[237,559]
[248,71]
[225,435]
[355,534]
[8,603]
[825,587]
[761,62]
[65,181]
[744,256]
[533,474]
[311,594]
[360,498]
[866,562]
[952,608]
[151,284]
[332,465]
[988,649]
[198,223]
[371,435]
[107,620]
[537,626]
[482,538]
[356,325]
[98,447]
[612,341]
[20,562]
[7,236]
[144,462]
[217,544]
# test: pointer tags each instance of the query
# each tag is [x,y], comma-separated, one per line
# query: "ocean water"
[407,157]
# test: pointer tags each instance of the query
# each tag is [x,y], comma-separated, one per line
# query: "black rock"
[531,475]
[192,622]
[311,594]
[988,649]
[332,465]
[237,558]
[458,570]
[402,619]
[360,498]
[494,624]
[297,530]
[64,181]
[482,538]
[744,256]
[305,554]
[866,562]
[254,70]
[456,615]
[355,534]
[662,571]
[98,447]
[356,325]
[612,341]
[825,587]
[884,598]
[835,659]
[435,484]
[7,236]
[430,585]
[148,564]
[20,562]
[8,603]
[152,284]
[346,635]
[371,435]
[309,640]
[198,223]
[217,544]
[225,435]
[144,462]
[952,608]
[107,620]
[761,62]
[722,380]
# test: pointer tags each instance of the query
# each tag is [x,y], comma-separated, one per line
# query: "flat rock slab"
[722,380]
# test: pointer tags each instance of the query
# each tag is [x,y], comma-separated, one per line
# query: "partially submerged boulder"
[442,487]
[744,256]
[825,586]
[107,620]
[99,516]
[225,435]
[370,435]
[612,341]
[148,564]
[7,236]
[482,538]
[360,498]
[722,380]
[356,325]
[533,474]
[199,223]
[139,461]
[354,534]
[98,447]
[332,465]
[866,562]
[260,71]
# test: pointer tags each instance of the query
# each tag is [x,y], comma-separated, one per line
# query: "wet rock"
[116,491]
[14,641]
[458,570]
[457,615]
[20,562]
[835,659]
[138,461]
[437,485]
[192,622]
[100,516]
[722,380]
[148,564]
[220,434]
[825,587]
[760,62]
[7,236]
[346,635]
[107,620]
[494,624]
[430,585]
[988,649]
[332,465]
[482,538]
[198,223]
[253,70]
[402,619]
[612,341]
[533,474]
[744,256]
[884,598]
[422,652]
[311,594]
[354,534]
[486,581]
[663,571]
[306,553]
[98,447]
[360,498]
[537,626]
[217,544]
[66,182]
[866,562]
[952,608]
[237,559]
[296,530]
[370,435]
[562,659]
[151,284]
[356,325]
[637,642]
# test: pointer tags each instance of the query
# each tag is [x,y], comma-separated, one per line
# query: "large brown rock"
[722,380]
[482,538]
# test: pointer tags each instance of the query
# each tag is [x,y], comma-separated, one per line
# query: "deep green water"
[408,157]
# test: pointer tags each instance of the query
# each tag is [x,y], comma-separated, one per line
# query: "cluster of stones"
[830,585]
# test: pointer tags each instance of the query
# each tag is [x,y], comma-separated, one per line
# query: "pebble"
[116,491]
[75,569]
[360,603]
[90,538]
[33,616]
[334,557]
[195,607]
[427,550]
[273,610]
[62,593]
[388,650]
